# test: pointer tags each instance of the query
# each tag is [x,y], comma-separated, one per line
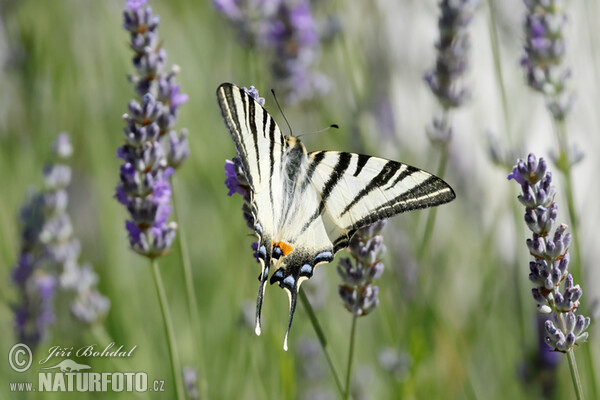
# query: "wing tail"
[264,255]
[293,295]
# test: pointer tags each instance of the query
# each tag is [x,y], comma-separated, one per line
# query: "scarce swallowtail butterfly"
[306,206]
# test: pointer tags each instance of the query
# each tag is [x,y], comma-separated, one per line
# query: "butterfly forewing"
[367,189]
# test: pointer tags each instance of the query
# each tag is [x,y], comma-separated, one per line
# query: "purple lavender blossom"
[452,51]
[49,257]
[549,269]
[152,150]
[357,291]
[293,38]
[288,32]
[545,49]
[134,5]
[253,92]
[235,181]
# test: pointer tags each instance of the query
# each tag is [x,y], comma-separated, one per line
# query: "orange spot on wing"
[285,248]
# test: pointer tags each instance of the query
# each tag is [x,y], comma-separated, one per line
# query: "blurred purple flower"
[452,52]
[49,255]
[288,32]
[366,247]
[134,5]
[229,8]
[544,54]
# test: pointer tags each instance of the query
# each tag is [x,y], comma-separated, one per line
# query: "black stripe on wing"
[338,171]
[430,193]
[408,171]
[386,173]
[362,161]
[251,120]
[317,157]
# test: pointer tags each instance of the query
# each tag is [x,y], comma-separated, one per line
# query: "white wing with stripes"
[307,206]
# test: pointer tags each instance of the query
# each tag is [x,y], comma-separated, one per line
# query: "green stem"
[169,331]
[517,216]
[575,374]
[572,362]
[493,30]
[350,356]
[102,336]
[591,23]
[321,336]
[192,299]
[518,277]
[429,224]
[565,167]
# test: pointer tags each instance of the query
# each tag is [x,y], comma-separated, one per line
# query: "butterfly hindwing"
[307,206]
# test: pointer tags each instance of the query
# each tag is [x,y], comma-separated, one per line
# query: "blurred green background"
[450,321]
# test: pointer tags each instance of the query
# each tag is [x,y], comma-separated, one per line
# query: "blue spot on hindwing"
[277,276]
[262,252]
[306,270]
[325,256]
[289,281]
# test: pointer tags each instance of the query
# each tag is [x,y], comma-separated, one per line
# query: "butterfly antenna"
[336,126]
[281,111]
[293,296]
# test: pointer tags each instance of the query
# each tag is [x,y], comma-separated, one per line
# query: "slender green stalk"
[429,224]
[572,362]
[575,374]
[493,30]
[169,332]
[517,216]
[192,299]
[518,276]
[590,12]
[321,336]
[102,336]
[565,167]
[350,356]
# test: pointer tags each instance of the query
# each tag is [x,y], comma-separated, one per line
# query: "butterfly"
[306,206]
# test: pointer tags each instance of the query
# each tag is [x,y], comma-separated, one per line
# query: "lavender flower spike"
[357,291]
[287,31]
[549,269]
[544,54]
[152,150]
[452,51]
[48,262]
